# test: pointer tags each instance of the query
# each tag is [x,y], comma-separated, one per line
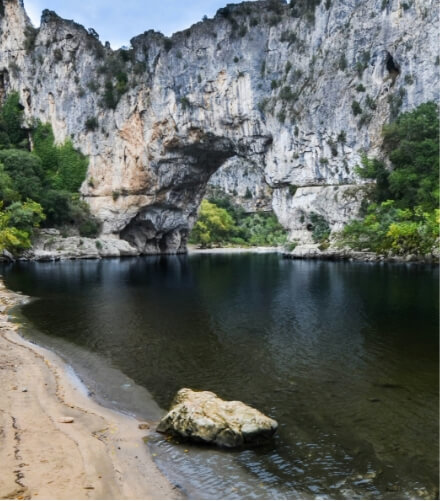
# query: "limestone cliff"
[277,101]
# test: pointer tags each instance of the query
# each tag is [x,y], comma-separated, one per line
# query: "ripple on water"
[343,356]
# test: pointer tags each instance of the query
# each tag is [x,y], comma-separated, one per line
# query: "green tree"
[386,227]
[64,166]
[11,118]
[44,147]
[372,168]
[41,186]
[244,229]
[25,171]
[403,217]
[213,226]
[25,215]
[72,168]
[13,238]
[412,143]
[7,192]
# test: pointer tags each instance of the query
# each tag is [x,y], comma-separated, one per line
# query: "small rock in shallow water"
[66,420]
[204,417]
[144,426]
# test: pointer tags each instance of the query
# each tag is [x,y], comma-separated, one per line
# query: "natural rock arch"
[210,93]
[163,226]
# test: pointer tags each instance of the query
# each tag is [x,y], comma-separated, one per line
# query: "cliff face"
[262,99]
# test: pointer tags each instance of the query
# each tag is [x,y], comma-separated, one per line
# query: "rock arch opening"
[183,172]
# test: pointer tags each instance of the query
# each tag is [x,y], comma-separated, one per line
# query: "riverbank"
[50,246]
[193,249]
[332,254]
[98,455]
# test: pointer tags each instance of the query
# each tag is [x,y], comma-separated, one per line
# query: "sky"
[120,20]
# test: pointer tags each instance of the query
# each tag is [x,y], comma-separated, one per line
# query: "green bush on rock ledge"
[403,215]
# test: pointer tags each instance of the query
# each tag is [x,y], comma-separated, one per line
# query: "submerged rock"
[203,416]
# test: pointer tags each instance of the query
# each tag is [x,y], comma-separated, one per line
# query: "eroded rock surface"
[262,95]
[202,416]
[50,245]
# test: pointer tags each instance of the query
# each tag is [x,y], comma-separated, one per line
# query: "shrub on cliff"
[11,117]
[403,215]
[320,227]
[64,167]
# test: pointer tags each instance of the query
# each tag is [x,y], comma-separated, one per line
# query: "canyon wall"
[271,103]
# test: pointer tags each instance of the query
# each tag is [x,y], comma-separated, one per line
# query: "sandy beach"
[57,443]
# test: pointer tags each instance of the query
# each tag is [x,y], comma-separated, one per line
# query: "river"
[343,355]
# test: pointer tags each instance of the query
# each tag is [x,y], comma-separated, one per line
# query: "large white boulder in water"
[203,416]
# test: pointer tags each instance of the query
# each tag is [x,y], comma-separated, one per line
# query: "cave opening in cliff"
[4,84]
[392,66]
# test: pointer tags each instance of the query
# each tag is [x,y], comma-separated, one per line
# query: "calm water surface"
[344,356]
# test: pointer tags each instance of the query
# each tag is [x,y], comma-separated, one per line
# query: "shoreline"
[192,249]
[113,248]
[100,455]
[349,255]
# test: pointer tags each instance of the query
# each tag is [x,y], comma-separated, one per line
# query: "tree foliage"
[25,171]
[403,216]
[11,118]
[388,228]
[39,186]
[17,223]
[213,225]
[65,168]
[223,223]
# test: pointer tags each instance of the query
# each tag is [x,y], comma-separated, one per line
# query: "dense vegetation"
[39,186]
[221,223]
[403,215]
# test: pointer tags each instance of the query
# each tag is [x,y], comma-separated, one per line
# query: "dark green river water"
[343,355]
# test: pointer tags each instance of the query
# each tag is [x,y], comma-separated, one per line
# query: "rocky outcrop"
[202,416]
[346,254]
[51,245]
[279,100]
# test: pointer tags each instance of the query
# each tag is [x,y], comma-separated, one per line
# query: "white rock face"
[259,94]
[50,245]
[244,182]
[336,203]
[202,416]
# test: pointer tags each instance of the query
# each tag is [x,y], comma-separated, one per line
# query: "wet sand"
[100,455]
